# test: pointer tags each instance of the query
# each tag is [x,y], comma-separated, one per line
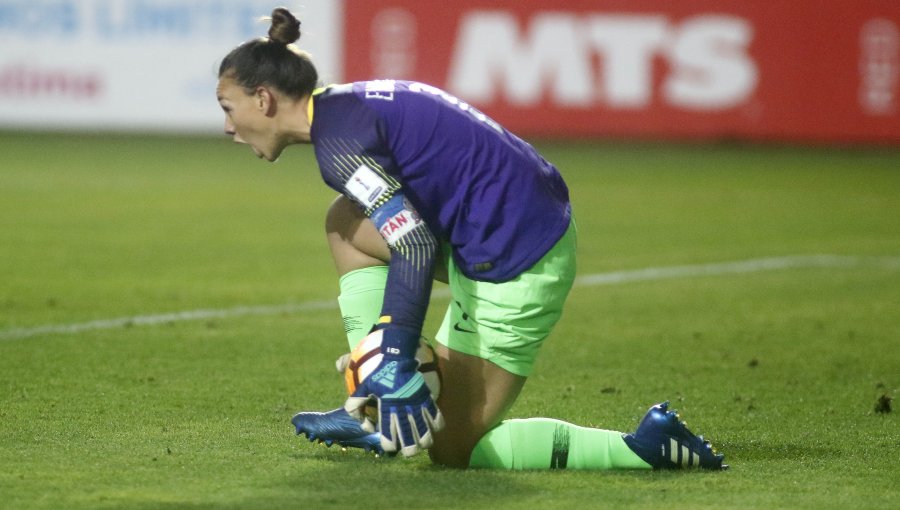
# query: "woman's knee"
[353,239]
[446,453]
[341,216]
[475,396]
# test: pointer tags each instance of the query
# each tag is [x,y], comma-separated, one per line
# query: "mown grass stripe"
[610,278]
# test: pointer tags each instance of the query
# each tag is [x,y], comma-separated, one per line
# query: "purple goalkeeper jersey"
[474,185]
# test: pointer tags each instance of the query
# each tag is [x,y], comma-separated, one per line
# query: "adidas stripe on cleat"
[336,427]
[664,441]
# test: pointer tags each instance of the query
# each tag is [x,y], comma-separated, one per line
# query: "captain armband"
[395,219]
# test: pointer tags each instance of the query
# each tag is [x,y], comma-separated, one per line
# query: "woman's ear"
[265,101]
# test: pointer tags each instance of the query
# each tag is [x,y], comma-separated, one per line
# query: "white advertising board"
[146,65]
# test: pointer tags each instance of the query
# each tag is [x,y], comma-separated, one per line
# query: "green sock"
[544,443]
[362,294]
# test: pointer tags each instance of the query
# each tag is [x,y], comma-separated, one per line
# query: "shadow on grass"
[409,483]
[334,479]
[758,450]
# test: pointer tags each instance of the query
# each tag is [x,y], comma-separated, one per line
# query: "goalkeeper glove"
[407,415]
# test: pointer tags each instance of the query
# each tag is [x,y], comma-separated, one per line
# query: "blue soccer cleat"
[664,441]
[336,427]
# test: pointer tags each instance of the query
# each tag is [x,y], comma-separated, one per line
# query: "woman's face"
[250,118]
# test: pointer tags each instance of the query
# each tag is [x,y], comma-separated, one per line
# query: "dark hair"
[273,61]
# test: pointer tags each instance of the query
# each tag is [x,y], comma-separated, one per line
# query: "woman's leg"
[353,239]
[475,396]
[476,393]
[355,242]
[360,256]
[501,328]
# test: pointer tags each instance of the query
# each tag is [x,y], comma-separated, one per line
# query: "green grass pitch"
[113,396]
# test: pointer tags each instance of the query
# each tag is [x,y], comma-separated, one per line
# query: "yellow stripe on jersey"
[309,106]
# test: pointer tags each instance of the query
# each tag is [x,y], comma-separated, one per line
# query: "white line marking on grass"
[151,320]
[591,280]
[744,266]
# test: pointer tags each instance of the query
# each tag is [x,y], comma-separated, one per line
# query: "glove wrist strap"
[399,342]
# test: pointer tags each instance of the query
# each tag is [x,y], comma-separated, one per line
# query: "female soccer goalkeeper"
[432,188]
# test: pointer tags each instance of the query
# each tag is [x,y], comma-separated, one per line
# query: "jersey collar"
[310,107]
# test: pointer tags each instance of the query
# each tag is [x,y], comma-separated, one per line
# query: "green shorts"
[506,323]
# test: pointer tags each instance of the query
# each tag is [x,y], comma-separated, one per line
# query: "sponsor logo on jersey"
[366,186]
[398,225]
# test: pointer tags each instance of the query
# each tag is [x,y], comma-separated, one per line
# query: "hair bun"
[285,27]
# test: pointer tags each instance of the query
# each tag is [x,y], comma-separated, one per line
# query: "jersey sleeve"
[356,159]
[411,269]
[413,246]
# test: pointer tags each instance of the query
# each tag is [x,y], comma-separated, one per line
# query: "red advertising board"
[803,70]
